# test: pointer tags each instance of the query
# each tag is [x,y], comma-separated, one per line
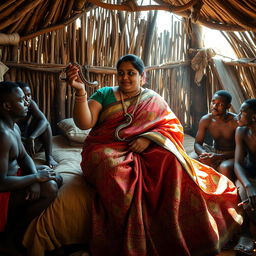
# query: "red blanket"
[159,202]
[4,203]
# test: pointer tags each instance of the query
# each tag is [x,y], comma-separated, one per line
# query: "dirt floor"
[227,253]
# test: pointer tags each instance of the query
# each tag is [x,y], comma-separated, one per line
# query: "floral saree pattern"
[158,202]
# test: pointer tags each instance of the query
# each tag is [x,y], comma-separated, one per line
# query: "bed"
[65,222]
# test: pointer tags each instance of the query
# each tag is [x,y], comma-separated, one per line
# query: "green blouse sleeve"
[104,96]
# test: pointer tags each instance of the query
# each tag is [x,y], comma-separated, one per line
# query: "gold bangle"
[80,98]
[80,101]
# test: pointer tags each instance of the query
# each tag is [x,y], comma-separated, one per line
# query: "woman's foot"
[245,245]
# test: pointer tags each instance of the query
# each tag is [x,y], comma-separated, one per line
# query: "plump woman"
[149,195]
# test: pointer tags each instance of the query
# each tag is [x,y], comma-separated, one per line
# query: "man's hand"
[139,145]
[46,174]
[211,159]
[251,193]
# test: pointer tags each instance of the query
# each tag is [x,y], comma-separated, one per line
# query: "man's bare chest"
[222,129]
[16,147]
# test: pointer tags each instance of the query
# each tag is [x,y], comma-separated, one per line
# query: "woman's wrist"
[80,92]
[79,98]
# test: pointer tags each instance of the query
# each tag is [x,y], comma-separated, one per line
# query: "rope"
[9,39]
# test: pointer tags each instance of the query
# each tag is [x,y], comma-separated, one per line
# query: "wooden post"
[61,100]
[198,92]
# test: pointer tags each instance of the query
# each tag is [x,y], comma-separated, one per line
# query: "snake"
[63,75]
[128,121]
[128,116]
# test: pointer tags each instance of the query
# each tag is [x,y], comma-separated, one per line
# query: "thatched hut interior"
[39,38]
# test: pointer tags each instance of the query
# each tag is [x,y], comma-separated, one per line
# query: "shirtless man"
[221,125]
[35,128]
[24,191]
[245,170]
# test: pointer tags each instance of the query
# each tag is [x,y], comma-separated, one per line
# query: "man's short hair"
[6,88]
[251,103]
[22,84]
[225,94]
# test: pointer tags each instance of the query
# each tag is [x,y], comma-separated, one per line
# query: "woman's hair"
[225,94]
[135,61]
[251,103]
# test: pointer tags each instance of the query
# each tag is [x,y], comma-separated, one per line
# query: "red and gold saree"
[159,202]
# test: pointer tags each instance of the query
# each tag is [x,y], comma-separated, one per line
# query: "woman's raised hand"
[73,77]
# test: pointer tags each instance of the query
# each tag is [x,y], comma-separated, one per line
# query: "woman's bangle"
[80,98]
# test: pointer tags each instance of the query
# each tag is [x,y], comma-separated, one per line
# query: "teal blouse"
[104,96]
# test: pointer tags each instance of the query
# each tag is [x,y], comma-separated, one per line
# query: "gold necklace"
[128,116]
[127,95]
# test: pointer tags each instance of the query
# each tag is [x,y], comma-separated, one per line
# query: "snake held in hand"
[63,76]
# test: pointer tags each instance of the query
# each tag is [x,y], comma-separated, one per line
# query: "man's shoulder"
[5,133]
[3,127]
[32,105]
[34,109]
[232,117]
[242,130]
[242,134]
[206,118]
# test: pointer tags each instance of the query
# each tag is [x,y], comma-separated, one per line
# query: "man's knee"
[227,164]
[49,190]
[49,128]
[227,168]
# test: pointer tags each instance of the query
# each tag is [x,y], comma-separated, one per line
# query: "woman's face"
[128,77]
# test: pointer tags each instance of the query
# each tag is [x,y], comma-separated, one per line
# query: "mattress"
[66,220]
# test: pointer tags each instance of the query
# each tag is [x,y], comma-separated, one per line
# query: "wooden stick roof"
[30,18]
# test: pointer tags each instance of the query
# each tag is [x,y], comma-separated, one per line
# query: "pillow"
[71,131]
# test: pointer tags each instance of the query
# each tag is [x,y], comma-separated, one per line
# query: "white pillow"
[71,131]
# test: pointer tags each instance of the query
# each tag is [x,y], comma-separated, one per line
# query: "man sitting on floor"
[24,191]
[221,125]
[245,170]
[35,128]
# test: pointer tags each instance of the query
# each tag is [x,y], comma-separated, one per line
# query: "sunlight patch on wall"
[215,40]
[212,38]
[165,19]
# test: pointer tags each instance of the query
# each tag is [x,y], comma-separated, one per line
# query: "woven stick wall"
[244,45]
[97,40]
[243,69]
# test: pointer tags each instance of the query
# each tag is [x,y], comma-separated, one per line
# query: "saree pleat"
[158,202]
